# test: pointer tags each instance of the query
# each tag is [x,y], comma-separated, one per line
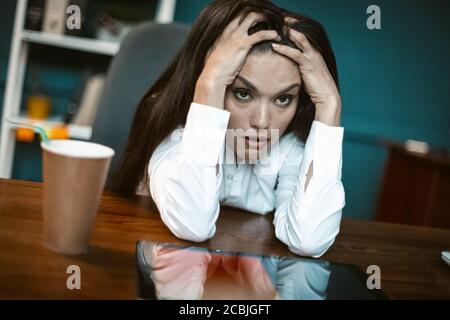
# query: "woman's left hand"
[317,80]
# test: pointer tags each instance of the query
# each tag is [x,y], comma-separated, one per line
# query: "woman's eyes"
[283,101]
[244,96]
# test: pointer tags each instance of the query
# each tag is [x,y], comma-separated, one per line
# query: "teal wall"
[393,81]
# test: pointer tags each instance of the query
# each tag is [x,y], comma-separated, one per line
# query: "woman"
[269,77]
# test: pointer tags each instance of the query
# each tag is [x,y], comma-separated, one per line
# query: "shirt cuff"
[324,148]
[204,134]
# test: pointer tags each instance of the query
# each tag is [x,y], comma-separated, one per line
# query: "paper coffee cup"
[74,175]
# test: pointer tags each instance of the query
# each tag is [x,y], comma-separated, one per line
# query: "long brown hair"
[165,105]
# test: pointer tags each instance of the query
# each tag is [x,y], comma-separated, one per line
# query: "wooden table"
[409,256]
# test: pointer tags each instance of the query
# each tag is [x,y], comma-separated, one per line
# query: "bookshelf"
[18,57]
[69,42]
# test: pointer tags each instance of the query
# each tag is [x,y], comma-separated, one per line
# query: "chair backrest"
[144,54]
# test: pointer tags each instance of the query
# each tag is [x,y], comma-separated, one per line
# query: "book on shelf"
[55,16]
[52,16]
[34,15]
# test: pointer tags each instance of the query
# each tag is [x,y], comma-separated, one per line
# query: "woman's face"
[262,102]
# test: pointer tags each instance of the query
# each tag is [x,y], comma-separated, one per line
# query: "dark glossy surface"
[167,271]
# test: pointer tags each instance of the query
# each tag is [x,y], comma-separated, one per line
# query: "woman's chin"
[250,156]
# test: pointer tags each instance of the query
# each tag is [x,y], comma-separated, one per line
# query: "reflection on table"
[171,272]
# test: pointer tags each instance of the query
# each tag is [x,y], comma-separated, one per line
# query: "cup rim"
[104,152]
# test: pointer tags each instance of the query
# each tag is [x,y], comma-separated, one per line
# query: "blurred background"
[394,86]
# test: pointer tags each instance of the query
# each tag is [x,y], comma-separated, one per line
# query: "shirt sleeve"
[308,221]
[182,173]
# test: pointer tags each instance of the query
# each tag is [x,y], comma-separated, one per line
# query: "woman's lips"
[255,142]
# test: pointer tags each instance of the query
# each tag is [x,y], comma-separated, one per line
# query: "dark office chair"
[144,54]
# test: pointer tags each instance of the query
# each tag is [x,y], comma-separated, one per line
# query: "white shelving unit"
[16,71]
[75,43]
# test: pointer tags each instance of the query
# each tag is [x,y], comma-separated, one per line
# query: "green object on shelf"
[36,129]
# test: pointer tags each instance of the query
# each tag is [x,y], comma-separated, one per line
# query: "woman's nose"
[261,117]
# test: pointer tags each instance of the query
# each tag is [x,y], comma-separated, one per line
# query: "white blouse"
[188,191]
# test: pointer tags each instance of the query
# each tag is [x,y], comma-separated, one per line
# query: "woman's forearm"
[209,91]
[186,195]
[308,219]
[330,112]
[184,181]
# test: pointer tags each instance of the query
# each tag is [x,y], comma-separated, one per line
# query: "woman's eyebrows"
[247,83]
[253,88]
[292,86]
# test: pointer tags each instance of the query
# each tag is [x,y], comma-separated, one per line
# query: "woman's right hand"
[226,58]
